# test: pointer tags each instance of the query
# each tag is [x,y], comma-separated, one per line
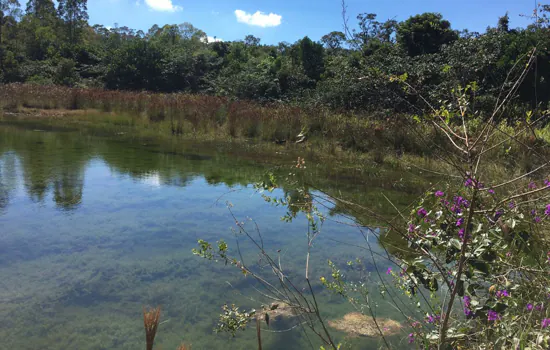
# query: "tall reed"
[214,116]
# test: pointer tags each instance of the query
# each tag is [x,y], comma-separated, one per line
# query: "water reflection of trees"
[55,163]
[47,163]
[7,178]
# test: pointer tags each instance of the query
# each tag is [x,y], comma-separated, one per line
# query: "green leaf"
[456,243]
[480,266]
[460,288]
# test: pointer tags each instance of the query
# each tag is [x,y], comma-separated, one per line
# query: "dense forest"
[347,70]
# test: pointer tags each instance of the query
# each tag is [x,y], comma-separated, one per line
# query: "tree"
[425,34]
[9,11]
[368,26]
[153,31]
[75,15]
[190,32]
[387,30]
[8,8]
[41,9]
[39,30]
[333,40]
[135,66]
[504,23]
[169,35]
[251,40]
[311,56]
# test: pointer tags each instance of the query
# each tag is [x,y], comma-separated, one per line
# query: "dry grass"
[151,319]
[217,117]
[213,117]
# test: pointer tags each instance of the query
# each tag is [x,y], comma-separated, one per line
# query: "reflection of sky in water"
[76,276]
[152,179]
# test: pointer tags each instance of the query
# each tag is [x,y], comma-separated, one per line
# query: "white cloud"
[210,39]
[259,18]
[163,5]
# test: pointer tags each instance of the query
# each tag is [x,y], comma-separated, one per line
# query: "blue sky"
[289,20]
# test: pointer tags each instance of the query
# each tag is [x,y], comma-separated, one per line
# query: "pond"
[93,228]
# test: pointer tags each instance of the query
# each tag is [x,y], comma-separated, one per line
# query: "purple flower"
[537,219]
[511,205]
[529,307]
[422,212]
[439,194]
[467,302]
[461,233]
[455,209]
[411,228]
[502,293]
[469,182]
[459,222]
[532,185]
[546,182]
[539,307]
[545,322]
[388,271]
[491,191]
[492,315]
[547,211]
[411,338]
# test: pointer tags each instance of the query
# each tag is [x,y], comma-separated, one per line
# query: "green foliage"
[233,320]
[74,14]
[207,251]
[135,66]
[333,40]
[344,71]
[425,34]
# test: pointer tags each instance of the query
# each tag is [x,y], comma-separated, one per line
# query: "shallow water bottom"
[94,229]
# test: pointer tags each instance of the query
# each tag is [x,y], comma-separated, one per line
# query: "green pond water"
[94,228]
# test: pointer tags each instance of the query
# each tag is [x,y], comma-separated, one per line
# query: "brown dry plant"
[151,319]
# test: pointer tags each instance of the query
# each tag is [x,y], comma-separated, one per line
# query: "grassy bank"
[273,127]
[217,117]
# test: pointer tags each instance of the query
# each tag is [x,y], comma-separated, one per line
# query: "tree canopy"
[354,69]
